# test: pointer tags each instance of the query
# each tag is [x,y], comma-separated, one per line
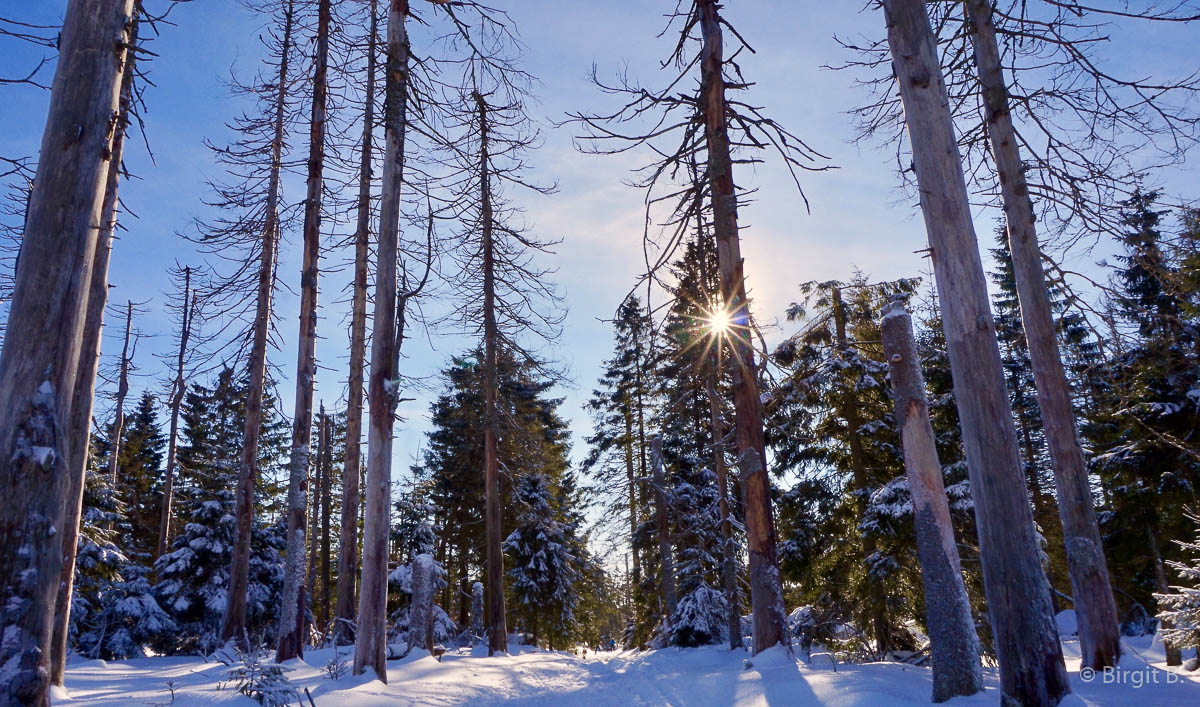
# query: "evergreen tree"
[139,477]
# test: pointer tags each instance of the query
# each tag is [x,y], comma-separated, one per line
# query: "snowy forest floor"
[699,676]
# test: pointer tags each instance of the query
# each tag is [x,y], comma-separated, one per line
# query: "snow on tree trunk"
[1095,608]
[83,397]
[178,388]
[666,559]
[291,617]
[477,609]
[39,365]
[766,592]
[371,647]
[1026,638]
[420,611]
[233,623]
[953,643]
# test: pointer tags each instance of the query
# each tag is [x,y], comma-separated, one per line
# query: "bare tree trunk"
[953,643]
[1026,637]
[420,611]
[728,548]
[178,388]
[291,617]
[497,629]
[766,592]
[233,623]
[666,558]
[877,602]
[317,477]
[118,426]
[39,365]
[371,648]
[83,396]
[344,612]
[1096,610]
[1173,655]
[633,504]
[326,486]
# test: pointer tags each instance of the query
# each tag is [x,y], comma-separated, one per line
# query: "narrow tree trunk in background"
[371,647]
[953,644]
[83,396]
[1026,638]
[497,628]
[420,611]
[233,623]
[766,592]
[877,601]
[477,611]
[39,365]
[1096,610]
[728,547]
[344,612]
[326,508]
[118,426]
[314,516]
[178,388]
[291,616]
[1173,655]
[633,504]
[666,559]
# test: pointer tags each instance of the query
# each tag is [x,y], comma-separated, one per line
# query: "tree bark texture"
[1026,638]
[371,647]
[954,645]
[420,611]
[1095,608]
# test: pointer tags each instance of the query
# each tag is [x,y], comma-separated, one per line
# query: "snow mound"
[1068,624]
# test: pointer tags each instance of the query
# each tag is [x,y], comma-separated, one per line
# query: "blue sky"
[859,219]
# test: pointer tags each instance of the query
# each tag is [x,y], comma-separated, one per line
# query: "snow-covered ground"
[701,676]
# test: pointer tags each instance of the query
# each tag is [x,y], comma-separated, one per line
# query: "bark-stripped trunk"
[118,426]
[728,548]
[39,366]
[1026,637]
[344,612]
[666,557]
[953,644]
[633,504]
[877,602]
[371,647]
[83,397]
[291,617]
[326,485]
[178,388]
[233,623]
[497,630]
[766,593]
[1173,655]
[1095,608]
[316,479]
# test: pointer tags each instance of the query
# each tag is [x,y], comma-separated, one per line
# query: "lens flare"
[719,322]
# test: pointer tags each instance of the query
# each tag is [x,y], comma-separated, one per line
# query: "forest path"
[697,677]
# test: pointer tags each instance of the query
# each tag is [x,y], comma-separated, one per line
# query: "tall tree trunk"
[728,547]
[953,643]
[83,396]
[344,612]
[666,557]
[178,388]
[497,630]
[233,623]
[118,426]
[314,515]
[1026,638]
[1096,610]
[766,592]
[633,503]
[39,365]
[371,647]
[1173,655]
[326,508]
[877,601]
[291,617]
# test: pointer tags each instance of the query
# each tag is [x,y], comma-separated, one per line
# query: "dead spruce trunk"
[291,617]
[1096,610]
[766,593]
[83,396]
[233,623]
[1026,638]
[39,366]
[666,558]
[631,477]
[420,612]
[371,646]
[497,629]
[345,610]
[178,388]
[953,643]
[326,508]
[118,426]
[728,548]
